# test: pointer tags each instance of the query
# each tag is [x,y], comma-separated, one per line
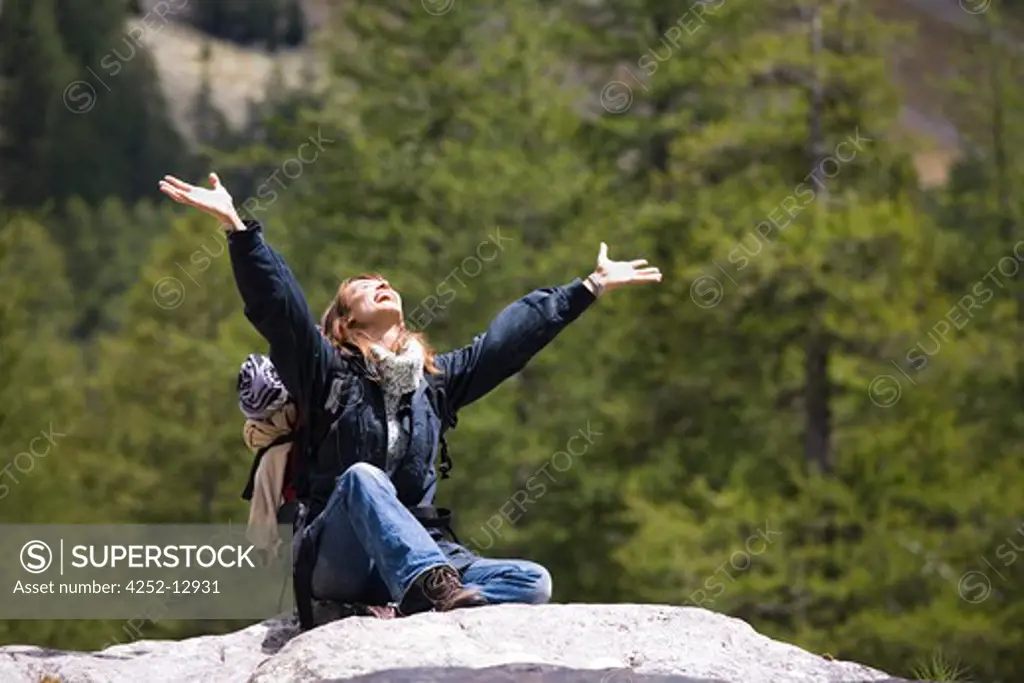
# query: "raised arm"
[526,326]
[276,306]
[274,302]
[521,330]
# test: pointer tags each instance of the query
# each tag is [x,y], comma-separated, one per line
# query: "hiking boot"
[439,589]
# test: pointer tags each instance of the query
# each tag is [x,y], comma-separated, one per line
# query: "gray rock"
[534,644]
[532,673]
[519,673]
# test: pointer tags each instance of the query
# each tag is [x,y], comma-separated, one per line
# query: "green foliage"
[938,668]
[34,68]
[183,334]
[81,108]
[41,378]
[107,244]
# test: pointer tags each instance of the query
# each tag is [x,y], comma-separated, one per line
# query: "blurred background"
[813,424]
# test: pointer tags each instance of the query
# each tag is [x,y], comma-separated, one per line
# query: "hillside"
[237,74]
[943,34]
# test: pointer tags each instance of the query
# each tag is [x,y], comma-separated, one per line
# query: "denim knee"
[362,473]
[540,584]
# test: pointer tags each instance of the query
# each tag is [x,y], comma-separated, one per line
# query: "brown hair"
[339,329]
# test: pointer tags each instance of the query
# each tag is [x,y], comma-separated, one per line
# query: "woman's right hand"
[216,202]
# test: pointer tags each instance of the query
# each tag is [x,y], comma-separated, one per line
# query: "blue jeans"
[370,547]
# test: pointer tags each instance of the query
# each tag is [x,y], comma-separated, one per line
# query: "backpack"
[296,507]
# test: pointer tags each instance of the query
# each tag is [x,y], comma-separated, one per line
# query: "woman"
[373,418]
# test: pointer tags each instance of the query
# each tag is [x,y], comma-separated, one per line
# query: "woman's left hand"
[612,274]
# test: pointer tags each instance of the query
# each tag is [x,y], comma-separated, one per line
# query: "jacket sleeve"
[516,335]
[276,306]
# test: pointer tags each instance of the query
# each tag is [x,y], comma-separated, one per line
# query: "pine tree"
[271,24]
[212,17]
[294,21]
[41,380]
[984,188]
[108,244]
[79,90]
[34,71]
[182,331]
[90,32]
[45,467]
[767,417]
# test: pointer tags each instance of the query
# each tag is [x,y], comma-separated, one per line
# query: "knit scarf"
[400,374]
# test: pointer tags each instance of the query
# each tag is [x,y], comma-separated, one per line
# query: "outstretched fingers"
[646,275]
[178,183]
[178,195]
[170,190]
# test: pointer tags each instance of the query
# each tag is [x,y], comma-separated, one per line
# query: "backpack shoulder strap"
[302,458]
[258,458]
[448,420]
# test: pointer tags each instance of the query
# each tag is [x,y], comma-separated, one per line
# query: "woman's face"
[372,301]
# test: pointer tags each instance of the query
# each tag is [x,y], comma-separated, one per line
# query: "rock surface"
[497,644]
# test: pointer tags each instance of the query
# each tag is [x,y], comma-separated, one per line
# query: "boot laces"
[441,583]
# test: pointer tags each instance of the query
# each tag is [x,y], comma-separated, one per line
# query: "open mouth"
[383,296]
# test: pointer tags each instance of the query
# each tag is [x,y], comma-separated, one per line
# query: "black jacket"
[323,378]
